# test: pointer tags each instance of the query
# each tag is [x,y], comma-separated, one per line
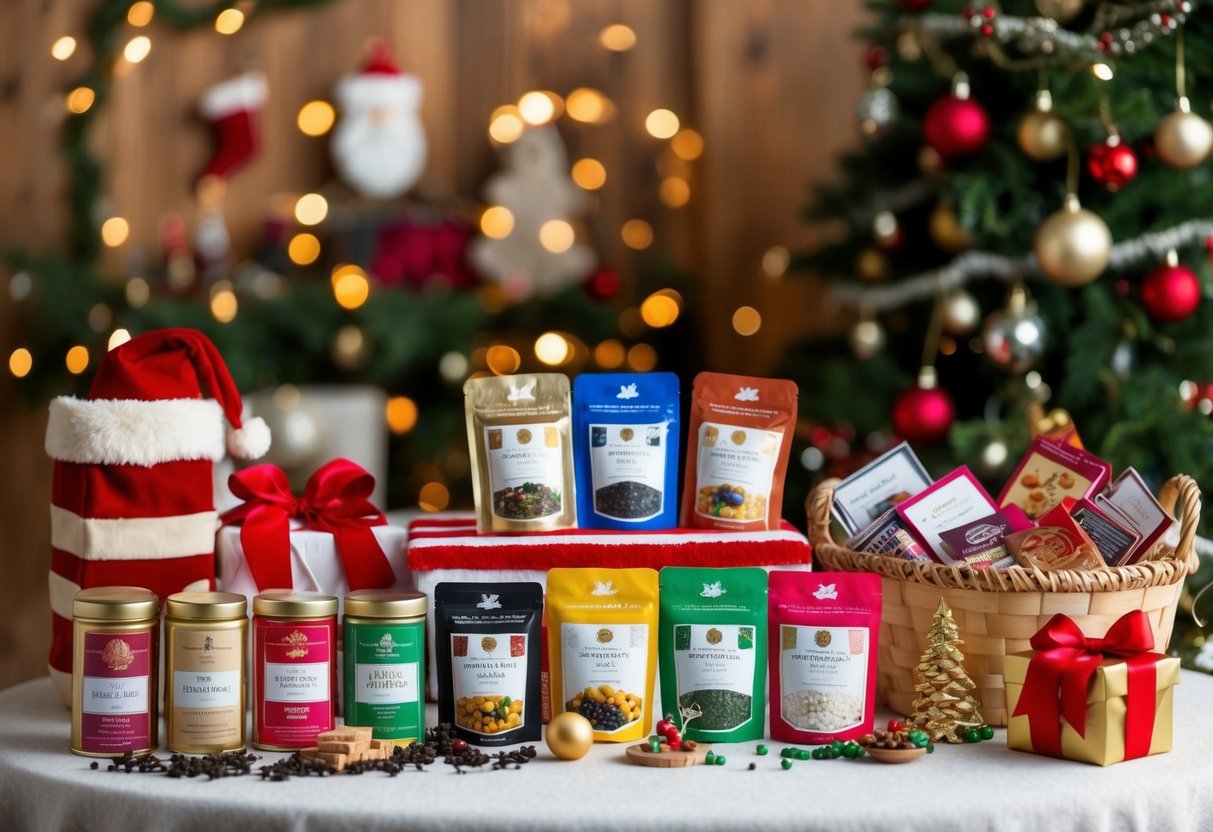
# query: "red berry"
[895,725]
[459,746]
[674,743]
[664,728]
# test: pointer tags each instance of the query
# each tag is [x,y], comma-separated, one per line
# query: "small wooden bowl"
[895,755]
[642,756]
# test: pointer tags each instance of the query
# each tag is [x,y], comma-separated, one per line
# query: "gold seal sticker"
[488,644]
[605,636]
[524,436]
[714,636]
[822,638]
[117,654]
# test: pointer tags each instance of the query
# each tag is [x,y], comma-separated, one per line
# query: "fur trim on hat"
[133,432]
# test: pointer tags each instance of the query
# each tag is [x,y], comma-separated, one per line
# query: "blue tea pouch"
[625,444]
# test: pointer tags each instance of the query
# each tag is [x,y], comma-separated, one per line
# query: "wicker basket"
[998,610]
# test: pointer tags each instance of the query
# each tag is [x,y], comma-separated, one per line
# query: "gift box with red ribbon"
[1094,700]
[330,539]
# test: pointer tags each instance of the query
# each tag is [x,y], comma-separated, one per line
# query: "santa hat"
[379,81]
[146,407]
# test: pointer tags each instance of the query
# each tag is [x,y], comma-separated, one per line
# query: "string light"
[63,48]
[350,286]
[609,354]
[661,123]
[539,107]
[775,261]
[137,292]
[659,310]
[140,14]
[589,174]
[453,366]
[114,231]
[497,222]
[588,105]
[637,234]
[553,349]
[316,118]
[229,21]
[687,145]
[77,359]
[433,496]
[20,362]
[746,320]
[223,302]
[675,191]
[401,414]
[502,360]
[303,249]
[617,37]
[506,125]
[349,347]
[117,338]
[137,48]
[80,100]
[311,209]
[556,236]
[642,358]
[1102,71]
[493,298]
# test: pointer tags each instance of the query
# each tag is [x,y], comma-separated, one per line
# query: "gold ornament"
[1072,247]
[1063,11]
[1183,139]
[871,266]
[945,708]
[570,735]
[1042,134]
[946,232]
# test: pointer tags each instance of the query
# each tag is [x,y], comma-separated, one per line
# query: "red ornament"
[956,127]
[876,58]
[603,284]
[1112,165]
[923,414]
[1170,293]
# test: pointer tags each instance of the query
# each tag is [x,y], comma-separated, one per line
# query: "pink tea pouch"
[823,639]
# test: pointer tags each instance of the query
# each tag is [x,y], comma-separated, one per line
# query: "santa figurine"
[379,145]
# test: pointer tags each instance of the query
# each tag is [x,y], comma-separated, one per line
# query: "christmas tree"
[1026,232]
[946,708]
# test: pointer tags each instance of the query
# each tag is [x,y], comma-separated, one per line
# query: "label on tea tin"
[116,692]
[295,667]
[207,695]
[383,679]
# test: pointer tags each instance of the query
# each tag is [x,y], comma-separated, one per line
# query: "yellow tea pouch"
[522,461]
[602,648]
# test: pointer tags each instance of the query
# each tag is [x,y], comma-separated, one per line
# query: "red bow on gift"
[1059,673]
[335,500]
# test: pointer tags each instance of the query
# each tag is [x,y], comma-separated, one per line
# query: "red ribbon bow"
[1060,672]
[335,500]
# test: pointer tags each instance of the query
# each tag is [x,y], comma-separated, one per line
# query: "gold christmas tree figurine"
[945,708]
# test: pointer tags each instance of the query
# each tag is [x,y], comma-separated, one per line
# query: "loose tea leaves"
[722,710]
[625,432]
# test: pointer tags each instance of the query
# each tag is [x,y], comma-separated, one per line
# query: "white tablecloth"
[963,788]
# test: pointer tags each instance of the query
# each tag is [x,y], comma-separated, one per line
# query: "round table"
[966,787]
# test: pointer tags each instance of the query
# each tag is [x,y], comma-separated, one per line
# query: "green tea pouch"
[712,644]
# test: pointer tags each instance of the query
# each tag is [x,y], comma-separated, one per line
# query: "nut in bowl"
[607,709]
[489,714]
[897,746]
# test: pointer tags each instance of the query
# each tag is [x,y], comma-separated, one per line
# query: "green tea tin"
[383,638]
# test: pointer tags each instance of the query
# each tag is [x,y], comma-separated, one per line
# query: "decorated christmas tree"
[1023,240]
[945,708]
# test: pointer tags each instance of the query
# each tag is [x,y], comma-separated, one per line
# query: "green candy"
[788,753]
[761,751]
[721,760]
[850,751]
[710,758]
[836,744]
[786,763]
[861,751]
[930,748]
[802,754]
[972,735]
[987,733]
[655,746]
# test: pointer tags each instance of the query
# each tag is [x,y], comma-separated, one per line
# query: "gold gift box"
[1104,743]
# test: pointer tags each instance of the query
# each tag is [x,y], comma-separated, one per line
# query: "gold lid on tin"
[292,604]
[386,603]
[206,606]
[116,603]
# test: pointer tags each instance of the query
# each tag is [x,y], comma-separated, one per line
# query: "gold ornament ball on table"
[1183,139]
[570,735]
[1073,246]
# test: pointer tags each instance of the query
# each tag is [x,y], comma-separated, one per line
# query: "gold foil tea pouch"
[602,648]
[522,459]
[737,452]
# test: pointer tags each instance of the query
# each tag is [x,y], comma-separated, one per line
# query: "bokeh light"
[556,236]
[63,48]
[497,222]
[316,118]
[642,358]
[746,320]
[553,349]
[637,234]
[589,174]
[311,209]
[661,123]
[350,286]
[303,249]
[502,360]
[433,496]
[229,21]
[77,359]
[114,231]
[617,37]
[401,414]
[20,362]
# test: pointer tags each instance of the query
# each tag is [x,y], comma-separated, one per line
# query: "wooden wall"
[771,84]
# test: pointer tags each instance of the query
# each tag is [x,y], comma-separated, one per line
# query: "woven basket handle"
[818,507]
[1181,491]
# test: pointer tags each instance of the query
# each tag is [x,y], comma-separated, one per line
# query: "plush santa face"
[379,146]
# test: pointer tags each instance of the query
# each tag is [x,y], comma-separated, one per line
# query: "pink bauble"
[1170,293]
[956,127]
[923,415]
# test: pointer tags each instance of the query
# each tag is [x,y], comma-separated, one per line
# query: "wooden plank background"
[771,85]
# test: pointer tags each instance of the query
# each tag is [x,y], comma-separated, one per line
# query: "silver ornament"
[961,314]
[1123,359]
[1014,337]
[876,111]
[867,339]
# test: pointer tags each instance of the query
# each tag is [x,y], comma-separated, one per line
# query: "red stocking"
[232,108]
